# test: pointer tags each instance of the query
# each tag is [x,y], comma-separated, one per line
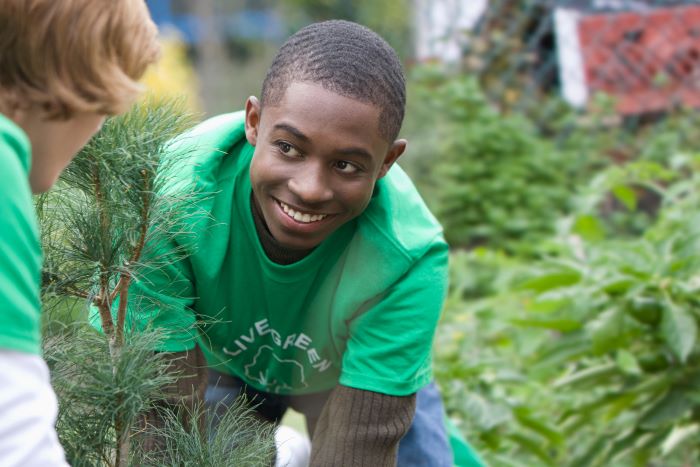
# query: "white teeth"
[303,217]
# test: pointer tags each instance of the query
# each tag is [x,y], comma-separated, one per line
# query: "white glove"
[293,448]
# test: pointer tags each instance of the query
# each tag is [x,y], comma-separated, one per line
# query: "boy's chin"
[42,182]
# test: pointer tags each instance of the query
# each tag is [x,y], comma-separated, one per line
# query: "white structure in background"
[440,25]
[571,71]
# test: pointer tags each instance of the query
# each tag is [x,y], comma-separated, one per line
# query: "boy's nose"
[311,186]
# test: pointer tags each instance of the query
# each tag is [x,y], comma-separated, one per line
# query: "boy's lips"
[300,216]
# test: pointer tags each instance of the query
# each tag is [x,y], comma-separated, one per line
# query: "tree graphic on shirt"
[258,371]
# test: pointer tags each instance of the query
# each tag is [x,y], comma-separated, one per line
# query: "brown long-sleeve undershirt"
[359,428]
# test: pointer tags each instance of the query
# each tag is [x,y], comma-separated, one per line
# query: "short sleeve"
[389,349]
[160,297]
[20,258]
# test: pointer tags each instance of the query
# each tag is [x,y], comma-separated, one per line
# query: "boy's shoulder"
[197,154]
[398,215]
[211,138]
[14,140]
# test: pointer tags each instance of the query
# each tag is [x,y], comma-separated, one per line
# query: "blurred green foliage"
[569,336]
[589,356]
[496,179]
[391,19]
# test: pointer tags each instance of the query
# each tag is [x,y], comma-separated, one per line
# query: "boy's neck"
[276,252]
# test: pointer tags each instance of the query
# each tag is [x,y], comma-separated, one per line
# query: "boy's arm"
[161,298]
[162,293]
[181,396]
[359,427]
[388,351]
[28,407]
[389,347]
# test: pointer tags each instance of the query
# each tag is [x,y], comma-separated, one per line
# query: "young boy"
[64,65]
[315,269]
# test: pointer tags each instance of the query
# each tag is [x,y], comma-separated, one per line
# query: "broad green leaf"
[627,362]
[594,373]
[584,413]
[626,196]
[619,405]
[484,413]
[607,330]
[679,330]
[625,443]
[566,348]
[525,418]
[532,445]
[656,384]
[644,309]
[643,445]
[553,300]
[617,285]
[552,280]
[589,227]
[547,306]
[504,460]
[670,407]
[593,450]
[678,436]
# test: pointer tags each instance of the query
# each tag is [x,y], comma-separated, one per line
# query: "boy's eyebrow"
[363,153]
[290,129]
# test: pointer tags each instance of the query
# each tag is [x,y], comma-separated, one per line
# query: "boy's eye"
[287,149]
[346,167]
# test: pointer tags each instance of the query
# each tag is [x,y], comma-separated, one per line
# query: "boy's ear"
[397,148]
[252,119]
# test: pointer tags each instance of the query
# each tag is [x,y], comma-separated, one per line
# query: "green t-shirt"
[20,250]
[360,309]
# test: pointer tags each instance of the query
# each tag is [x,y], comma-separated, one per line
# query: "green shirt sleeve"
[160,297]
[20,250]
[389,347]
[163,294]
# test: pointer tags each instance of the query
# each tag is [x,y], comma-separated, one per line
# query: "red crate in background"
[648,61]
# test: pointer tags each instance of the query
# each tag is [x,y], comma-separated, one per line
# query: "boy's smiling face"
[317,158]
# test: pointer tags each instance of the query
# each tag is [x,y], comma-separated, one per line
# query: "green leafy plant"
[495,180]
[593,358]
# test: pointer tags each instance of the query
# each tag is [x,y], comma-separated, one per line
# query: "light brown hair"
[68,56]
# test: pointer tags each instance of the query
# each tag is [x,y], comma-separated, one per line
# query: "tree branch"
[104,304]
[122,287]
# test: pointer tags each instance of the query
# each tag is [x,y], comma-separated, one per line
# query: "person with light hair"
[64,66]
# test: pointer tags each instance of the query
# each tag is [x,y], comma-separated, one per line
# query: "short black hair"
[345,58]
